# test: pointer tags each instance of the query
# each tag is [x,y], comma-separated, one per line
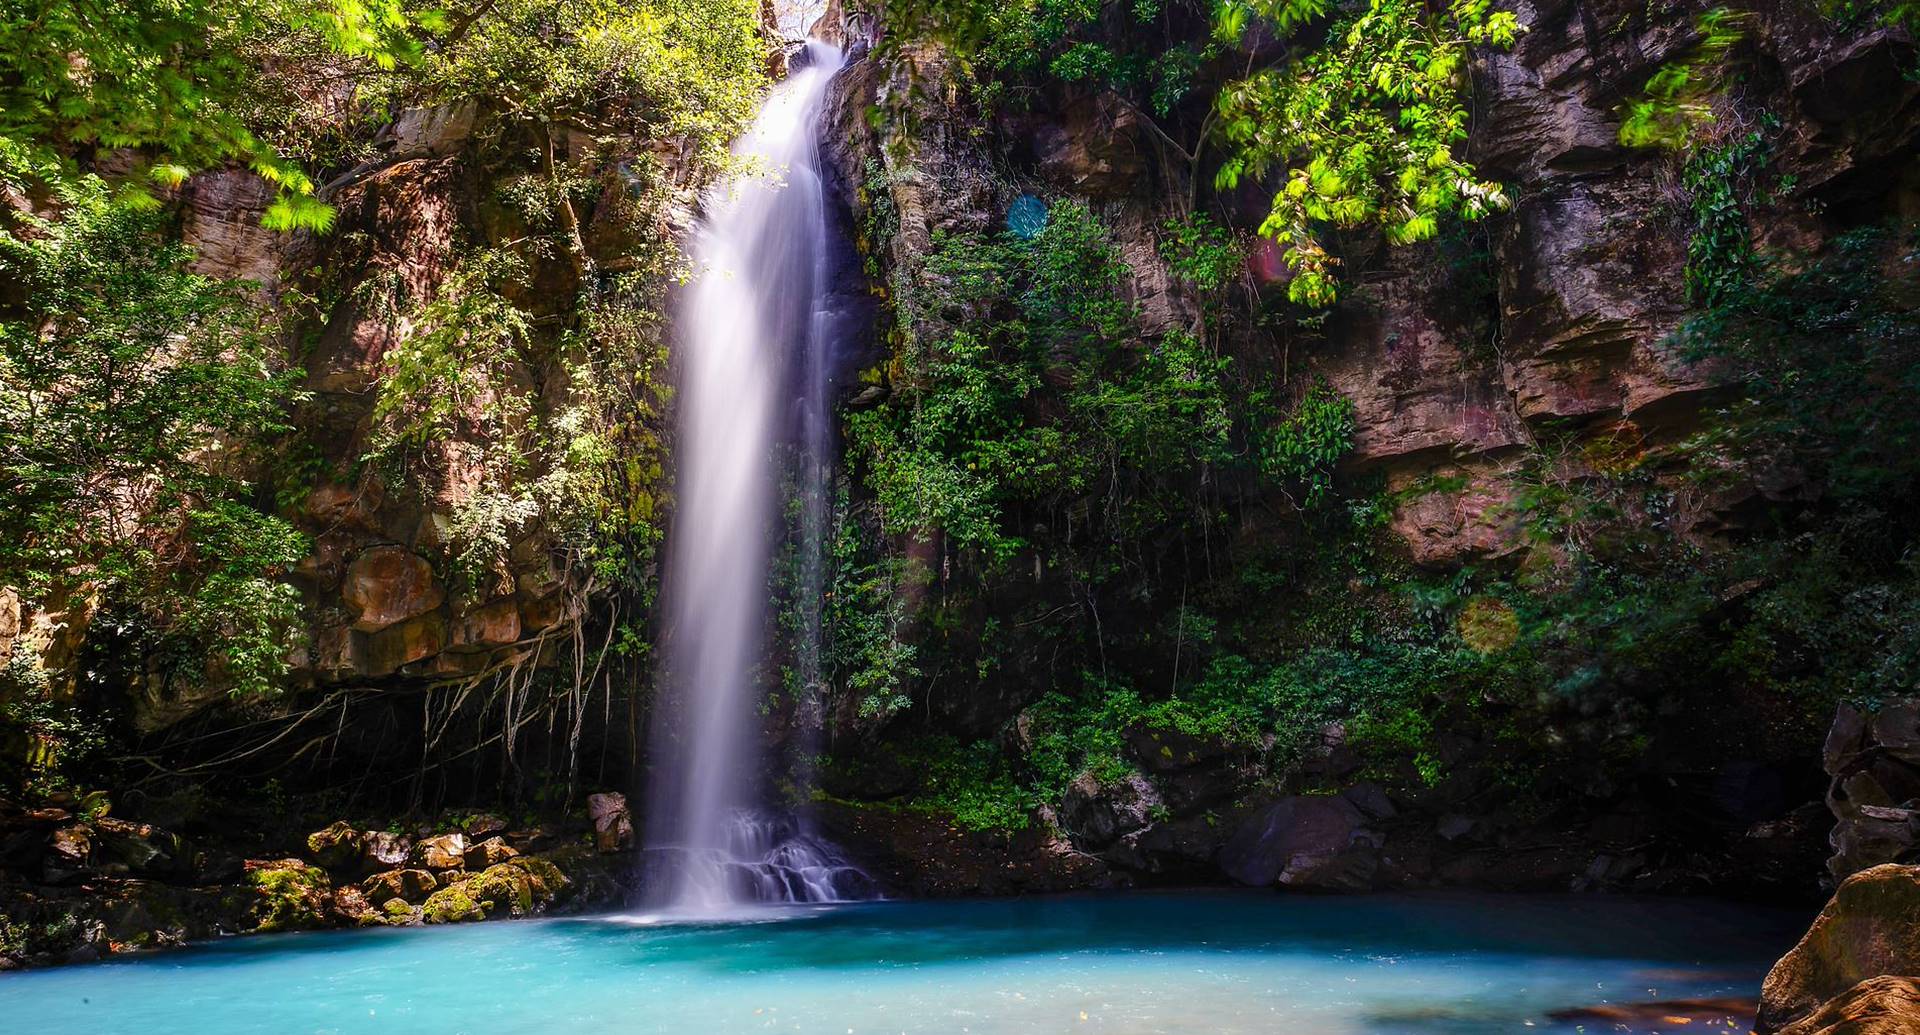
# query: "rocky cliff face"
[1546,337]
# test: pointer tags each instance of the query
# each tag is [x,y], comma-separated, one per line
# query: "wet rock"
[140,848]
[1371,799]
[612,823]
[411,885]
[490,852]
[1315,842]
[338,847]
[1885,1005]
[1870,928]
[441,852]
[393,648]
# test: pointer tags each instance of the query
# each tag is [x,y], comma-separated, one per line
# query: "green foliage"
[867,655]
[685,71]
[1720,257]
[976,428]
[177,81]
[135,398]
[1826,353]
[1302,449]
[1127,47]
[1366,126]
[1678,99]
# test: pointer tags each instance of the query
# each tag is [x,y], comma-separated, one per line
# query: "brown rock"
[222,223]
[1871,927]
[348,906]
[407,885]
[490,852]
[490,625]
[339,846]
[612,823]
[384,851]
[1885,1005]
[441,852]
[388,585]
[68,850]
[384,652]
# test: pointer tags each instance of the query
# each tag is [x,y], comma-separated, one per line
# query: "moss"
[293,896]
[396,913]
[550,882]
[452,904]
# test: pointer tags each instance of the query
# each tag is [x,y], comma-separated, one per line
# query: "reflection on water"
[1114,965]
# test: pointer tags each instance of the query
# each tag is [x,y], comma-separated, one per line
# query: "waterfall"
[756,323]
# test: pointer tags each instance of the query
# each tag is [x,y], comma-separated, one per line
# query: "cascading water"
[757,319]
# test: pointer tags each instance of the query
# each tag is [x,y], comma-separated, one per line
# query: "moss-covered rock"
[1870,928]
[453,904]
[397,913]
[338,847]
[293,895]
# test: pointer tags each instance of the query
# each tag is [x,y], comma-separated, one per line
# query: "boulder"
[517,888]
[405,885]
[1885,1005]
[482,825]
[1317,842]
[338,847]
[490,852]
[452,905]
[292,895]
[388,585]
[381,850]
[1873,760]
[1871,927]
[612,823]
[441,852]
[1097,814]
[68,851]
[350,908]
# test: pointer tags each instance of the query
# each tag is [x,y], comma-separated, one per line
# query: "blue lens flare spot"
[1027,216]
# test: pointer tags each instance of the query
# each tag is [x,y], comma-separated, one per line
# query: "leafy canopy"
[1366,125]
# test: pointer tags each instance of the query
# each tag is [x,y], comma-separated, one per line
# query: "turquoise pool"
[1200,962]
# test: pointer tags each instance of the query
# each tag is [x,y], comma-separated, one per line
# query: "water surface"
[1201,962]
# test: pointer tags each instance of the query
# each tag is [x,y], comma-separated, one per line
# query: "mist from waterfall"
[752,356]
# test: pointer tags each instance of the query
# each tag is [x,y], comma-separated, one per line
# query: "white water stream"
[754,326]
